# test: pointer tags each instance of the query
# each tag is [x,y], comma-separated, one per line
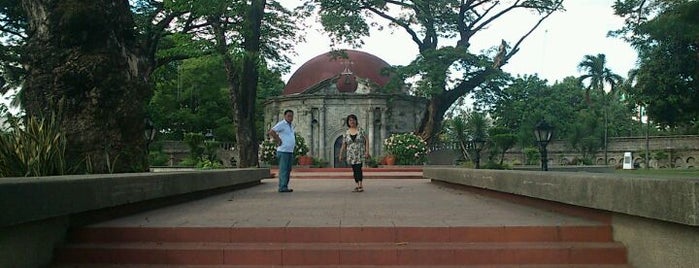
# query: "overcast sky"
[553,51]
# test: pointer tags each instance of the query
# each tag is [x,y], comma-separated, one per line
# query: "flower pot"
[305,160]
[390,160]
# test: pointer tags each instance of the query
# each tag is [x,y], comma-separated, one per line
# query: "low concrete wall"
[593,169]
[656,218]
[35,213]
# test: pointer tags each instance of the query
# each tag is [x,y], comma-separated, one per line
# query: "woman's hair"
[353,117]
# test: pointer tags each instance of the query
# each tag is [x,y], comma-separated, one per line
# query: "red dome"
[324,66]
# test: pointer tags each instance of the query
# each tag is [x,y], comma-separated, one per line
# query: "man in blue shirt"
[283,135]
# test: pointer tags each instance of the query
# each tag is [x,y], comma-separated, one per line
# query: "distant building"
[324,90]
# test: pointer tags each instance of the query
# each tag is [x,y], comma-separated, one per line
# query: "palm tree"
[596,71]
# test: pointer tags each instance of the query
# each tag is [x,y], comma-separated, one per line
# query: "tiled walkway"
[330,202]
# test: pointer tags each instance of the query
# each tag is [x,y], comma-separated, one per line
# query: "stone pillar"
[370,130]
[384,125]
[325,154]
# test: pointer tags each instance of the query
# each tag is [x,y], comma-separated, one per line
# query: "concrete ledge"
[667,199]
[593,169]
[25,200]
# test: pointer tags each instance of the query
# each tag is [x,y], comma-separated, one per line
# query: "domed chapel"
[327,88]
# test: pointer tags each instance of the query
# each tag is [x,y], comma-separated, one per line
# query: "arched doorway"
[336,161]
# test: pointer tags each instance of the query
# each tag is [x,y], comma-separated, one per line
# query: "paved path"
[331,202]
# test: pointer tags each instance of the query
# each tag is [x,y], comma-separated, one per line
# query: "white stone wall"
[320,118]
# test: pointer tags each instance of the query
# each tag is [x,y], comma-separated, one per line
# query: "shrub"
[408,148]
[301,148]
[36,148]
[268,150]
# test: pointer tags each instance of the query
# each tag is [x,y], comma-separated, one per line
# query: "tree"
[244,33]
[598,74]
[666,35]
[503,140]
[445,73]
[82,63]
[102,57]
[595,68]
[192,97]
[90,62]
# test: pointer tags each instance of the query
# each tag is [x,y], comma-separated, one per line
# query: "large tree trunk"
[245,106]
[431,123]
[82,65]
[242,79]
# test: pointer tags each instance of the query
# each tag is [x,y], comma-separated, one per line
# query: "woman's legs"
[358,175]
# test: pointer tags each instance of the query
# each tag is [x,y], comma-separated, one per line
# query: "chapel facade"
[327,88]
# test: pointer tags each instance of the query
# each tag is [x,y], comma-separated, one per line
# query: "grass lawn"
[664,172]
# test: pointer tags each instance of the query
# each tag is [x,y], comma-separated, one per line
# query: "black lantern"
[543,133]
[148,131]
[476,145]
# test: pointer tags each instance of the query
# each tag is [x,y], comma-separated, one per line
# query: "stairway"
[497,246]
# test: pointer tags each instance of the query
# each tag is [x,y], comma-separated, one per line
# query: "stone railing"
[37,212]
[657,219]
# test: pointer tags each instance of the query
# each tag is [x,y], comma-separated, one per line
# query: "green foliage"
[661,155]
[200,151]
[36,148]
[665,34]
[301,148]
[532,155]
[408,148]
[446,68]
[372,162]
[503,142]
[495,165]
[268,152]
[192,97]
[465,128]
[586,135]
[158,158]
[598,74]
[208,164]
[195,142]
[319,163]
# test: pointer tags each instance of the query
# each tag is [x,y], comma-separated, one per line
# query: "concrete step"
[399,172]
[331,246]
[345,253]
[588,233]
[92,265]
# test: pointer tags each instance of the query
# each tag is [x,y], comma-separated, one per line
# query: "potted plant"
[301,151]
[305,160]
[406,148]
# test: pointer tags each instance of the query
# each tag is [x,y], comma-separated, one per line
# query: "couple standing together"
[355,148]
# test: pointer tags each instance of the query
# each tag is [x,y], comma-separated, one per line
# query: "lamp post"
[543,132]
[148,132]
[476,145]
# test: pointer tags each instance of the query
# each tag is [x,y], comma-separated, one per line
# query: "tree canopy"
[666,35]
[446,68]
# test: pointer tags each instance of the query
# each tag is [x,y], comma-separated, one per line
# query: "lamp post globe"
[543,132]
